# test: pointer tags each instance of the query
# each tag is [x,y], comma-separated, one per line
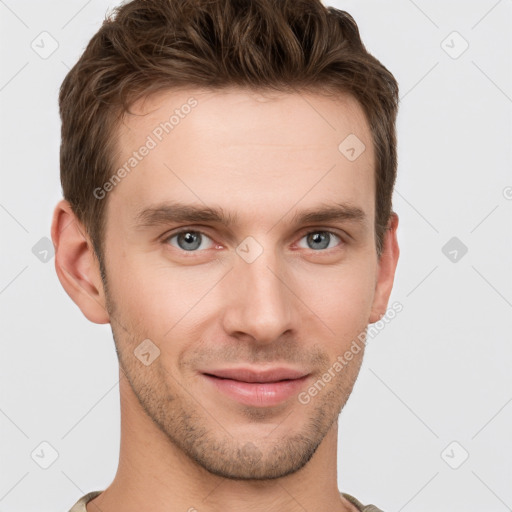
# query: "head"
[227,170]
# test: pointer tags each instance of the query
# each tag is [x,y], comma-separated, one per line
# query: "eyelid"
[183,229]
[322,229]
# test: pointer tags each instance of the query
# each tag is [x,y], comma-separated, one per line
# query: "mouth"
[257,388]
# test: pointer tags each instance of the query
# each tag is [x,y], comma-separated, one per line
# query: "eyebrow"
[169,212]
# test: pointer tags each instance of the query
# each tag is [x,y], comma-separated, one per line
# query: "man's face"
[262,289]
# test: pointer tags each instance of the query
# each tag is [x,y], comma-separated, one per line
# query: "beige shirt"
[79,506]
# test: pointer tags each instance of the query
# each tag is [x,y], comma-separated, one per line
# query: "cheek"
[156,297]
[341,297]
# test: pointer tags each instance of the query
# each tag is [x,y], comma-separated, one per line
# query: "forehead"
[247,115]
[246,150]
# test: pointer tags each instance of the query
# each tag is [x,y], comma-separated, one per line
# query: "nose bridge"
[260,305]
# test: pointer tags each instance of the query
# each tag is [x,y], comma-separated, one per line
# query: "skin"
[264,158]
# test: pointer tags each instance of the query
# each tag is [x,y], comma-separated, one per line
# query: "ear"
[386,267]
[77,265]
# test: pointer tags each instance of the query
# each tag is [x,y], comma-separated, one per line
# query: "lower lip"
[256,393]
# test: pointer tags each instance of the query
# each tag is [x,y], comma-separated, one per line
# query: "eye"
[318,240]
[189,240]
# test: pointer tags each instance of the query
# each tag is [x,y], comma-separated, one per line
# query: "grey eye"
[318,240]
[188,240]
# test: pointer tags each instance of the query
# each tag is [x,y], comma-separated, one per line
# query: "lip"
[264,388]
[254,375]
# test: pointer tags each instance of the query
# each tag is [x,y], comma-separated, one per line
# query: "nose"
[260,302]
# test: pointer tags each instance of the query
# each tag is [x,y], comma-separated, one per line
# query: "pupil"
[319,238]
[192,239]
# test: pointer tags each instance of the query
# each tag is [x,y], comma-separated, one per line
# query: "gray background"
[439,373]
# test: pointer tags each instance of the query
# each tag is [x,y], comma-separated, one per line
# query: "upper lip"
[253,375]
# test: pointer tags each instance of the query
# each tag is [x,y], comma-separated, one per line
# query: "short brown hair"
[147,46]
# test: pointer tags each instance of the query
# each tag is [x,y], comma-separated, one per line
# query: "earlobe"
[386,267]
[76,264]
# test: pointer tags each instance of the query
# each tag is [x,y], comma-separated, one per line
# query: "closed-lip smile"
[257,387]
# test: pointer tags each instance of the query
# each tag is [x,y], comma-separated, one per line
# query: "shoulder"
[358,504]
[80,505]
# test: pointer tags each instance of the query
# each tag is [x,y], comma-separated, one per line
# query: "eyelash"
[202,233]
